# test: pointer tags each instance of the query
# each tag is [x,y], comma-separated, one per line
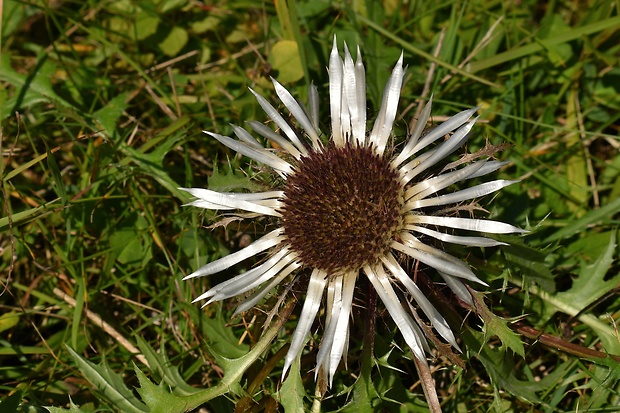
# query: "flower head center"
[342,207]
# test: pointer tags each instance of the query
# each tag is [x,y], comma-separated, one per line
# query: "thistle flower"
[347,206]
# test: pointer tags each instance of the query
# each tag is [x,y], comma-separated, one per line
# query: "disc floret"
[342,208]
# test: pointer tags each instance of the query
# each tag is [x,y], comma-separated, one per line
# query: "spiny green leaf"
[73,408]
[497,326]
[158,398]
[292,393]
[109,384]
[161,366]
[364,391]
[235,368]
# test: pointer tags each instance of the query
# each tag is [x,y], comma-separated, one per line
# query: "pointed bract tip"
[287,367]
[189,277]
[346,49]
[276,84]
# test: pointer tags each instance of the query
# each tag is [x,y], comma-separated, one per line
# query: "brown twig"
[428,385]
[561,344]
[97,320]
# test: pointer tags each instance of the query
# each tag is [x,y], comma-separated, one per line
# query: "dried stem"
[98,321]
[428,385]
[561,344]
